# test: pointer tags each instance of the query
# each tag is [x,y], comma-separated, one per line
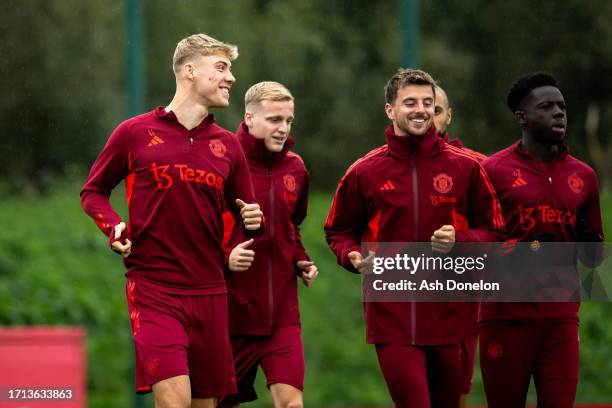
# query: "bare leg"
[203,403]
[286,396]
[463,400]
[173,392]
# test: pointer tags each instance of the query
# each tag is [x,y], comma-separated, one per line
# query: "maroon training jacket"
[264,298]
[474,306]
[177,184]
[555,201]
[457,143]
[403,192]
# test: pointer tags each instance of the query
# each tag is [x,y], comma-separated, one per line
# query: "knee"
[174,404]
[175,401]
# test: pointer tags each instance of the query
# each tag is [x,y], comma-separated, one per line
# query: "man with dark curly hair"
[534,177]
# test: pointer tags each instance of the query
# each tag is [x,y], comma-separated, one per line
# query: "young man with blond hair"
[262,279]
[181,170]
[415,188]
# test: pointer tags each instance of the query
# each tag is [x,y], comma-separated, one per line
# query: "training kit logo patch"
[575,183]
[152,365]
[217,147]
[155,140]
[519,181]
[494,350]
[289,181]
[387,186]
[443,183]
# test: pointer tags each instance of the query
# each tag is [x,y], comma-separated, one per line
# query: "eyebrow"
[278,117]
[551,101]
[225,64]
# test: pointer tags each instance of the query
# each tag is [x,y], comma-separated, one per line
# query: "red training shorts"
[180,335]
[280,355]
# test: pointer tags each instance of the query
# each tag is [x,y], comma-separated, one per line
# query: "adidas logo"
[387,186]
[519,182]
[155,140]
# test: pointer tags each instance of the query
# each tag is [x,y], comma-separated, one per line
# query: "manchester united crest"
[443,183]
[217,147]
[575,183]
[152,365]
[289,181]
[494,350]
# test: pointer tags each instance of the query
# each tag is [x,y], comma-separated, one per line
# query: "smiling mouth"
[418,121]
[279,139]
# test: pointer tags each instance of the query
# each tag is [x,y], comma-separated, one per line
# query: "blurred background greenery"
[62,66]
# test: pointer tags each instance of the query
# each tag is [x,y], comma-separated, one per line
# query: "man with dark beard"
[416,188]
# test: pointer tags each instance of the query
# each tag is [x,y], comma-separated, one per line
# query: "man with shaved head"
[443,115]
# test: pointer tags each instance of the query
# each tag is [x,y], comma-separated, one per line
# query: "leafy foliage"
[56,268]
[63,68]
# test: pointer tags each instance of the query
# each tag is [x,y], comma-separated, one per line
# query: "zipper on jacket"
[191,140]
[271,223]
[415,203]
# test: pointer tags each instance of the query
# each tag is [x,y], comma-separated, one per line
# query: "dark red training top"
[556,201]
[403,192]
[264,298]
[178,182]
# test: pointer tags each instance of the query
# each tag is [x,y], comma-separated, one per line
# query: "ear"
[449,116]
[389,110]
[248,119]
[189,70]
[520,117]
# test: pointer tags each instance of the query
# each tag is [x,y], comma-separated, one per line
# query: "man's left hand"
[443,239]
[309,272]
[251,215]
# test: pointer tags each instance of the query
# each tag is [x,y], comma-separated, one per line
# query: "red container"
[42,366]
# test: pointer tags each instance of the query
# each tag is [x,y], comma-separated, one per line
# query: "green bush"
[56,268]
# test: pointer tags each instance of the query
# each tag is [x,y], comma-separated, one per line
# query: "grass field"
[55,268]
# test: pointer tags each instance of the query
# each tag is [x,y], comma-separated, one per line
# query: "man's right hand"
[124,249]
[241,258]
[362,265]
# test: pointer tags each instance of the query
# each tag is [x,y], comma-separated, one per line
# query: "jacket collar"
[255,149]
[170,116]
[407,147]
[518,149]
[454,142]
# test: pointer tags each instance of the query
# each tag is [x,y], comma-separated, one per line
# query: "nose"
[558,112]
[230,77]
[420,106]
[283,128]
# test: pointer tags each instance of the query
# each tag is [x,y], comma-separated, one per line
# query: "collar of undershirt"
[170,116]
[255,148]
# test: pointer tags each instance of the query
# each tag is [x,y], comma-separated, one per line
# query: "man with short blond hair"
[180,169]
[418,344]
[262,282]
[200,45]
[265,91]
